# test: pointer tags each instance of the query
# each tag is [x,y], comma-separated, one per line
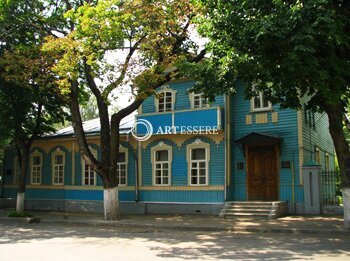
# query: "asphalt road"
[48,242]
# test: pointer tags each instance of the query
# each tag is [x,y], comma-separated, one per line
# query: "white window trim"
[191,96]
[252,104]
[198,144]
[126,151]
[165,88]
[36,153]
[317,155]
[16,170]
[154,149]
[94,152]
[57,152]
[327,162]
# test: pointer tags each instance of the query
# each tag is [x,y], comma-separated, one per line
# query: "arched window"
[260,103]
[36,163]
[198,157]
[58,163]
[89,175]
[161,157]
[122,166]
[165,100]
[198,100]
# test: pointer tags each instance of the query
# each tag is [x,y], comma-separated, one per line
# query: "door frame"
[277,154]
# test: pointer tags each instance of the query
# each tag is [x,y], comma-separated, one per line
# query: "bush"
[340,200]
[19,214]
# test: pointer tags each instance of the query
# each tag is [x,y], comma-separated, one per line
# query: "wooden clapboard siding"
[316,136]
[182,101]
[283,126]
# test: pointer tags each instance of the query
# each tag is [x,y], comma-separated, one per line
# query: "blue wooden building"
[197,156]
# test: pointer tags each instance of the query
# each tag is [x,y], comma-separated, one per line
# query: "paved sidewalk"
[289,224]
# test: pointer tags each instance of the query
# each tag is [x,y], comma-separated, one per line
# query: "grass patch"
[19,214]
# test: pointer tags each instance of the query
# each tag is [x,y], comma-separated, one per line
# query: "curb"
[121,224]
[21,219]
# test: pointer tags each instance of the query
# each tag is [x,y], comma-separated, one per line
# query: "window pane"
[168,107]
[257,104]
[194,172]
[202,172]
[36,160]
[158,173]
[194,180]
[165,173]
[202,164]
[161,155]
[202,181]
[59,159]
[165,181]
[198,154]
[121,157]
[265,101]
[168,99]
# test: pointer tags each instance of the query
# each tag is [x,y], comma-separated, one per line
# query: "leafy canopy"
[122,42]
[29,103]
[285,48]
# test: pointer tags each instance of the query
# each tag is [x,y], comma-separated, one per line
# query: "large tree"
[28,100]
[114,44]
[30,107]
[288,50]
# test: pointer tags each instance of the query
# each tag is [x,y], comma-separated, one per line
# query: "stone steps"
[254,209]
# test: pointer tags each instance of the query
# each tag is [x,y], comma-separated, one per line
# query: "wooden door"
[262,173]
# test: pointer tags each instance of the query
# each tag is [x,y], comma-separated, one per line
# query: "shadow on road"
[188,245]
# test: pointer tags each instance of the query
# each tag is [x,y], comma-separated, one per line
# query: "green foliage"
[29,102]
[89,110]
[284,48]
[153,35]
[14,213]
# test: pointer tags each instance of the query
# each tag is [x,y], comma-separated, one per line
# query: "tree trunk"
[111,203]
[23,164]
[346,201]
[20,202]
[335,114]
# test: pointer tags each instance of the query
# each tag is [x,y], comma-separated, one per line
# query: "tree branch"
[103,114]
[121,77]
[78,127]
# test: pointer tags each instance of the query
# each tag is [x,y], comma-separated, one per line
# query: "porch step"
[254,209]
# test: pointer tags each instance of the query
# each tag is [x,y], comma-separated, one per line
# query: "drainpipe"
[137,172]
[136,178]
